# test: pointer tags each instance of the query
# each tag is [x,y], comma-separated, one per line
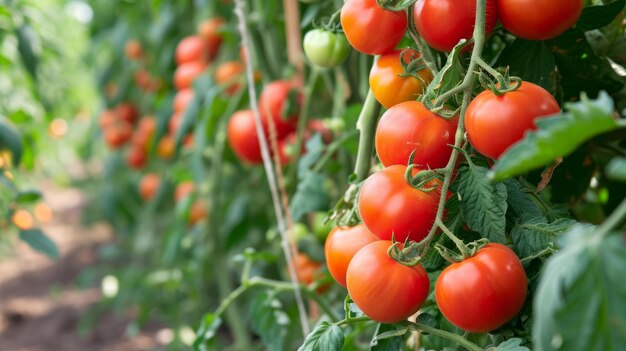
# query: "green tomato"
[326,49]
[320,228]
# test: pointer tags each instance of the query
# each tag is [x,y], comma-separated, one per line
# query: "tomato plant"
[276,106]
[550,19]
[242,136]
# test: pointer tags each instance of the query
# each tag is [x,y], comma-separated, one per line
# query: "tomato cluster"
[150,183]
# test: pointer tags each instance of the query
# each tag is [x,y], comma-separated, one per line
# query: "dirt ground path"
[41,307]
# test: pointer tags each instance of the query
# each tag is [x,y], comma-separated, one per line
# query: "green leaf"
[579,303]
[40,242]
[532,61]
[510,345]
[521,206]
[594,17]
[388,338]
[269,321]
[557,136]
[616,169]
[448,77]
[483,203]
[536,234]
[310,195]
[11,139]
[28,196]
[314,150]
[325,337]
[207,331]
[29,46]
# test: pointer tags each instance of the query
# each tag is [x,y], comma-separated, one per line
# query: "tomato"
[147,124]
[242,137]
[229,74]
[22,219]
[369,28]
[133,49]
[182,99]
[341,245]
[385,290]
[325,48]
[136,157]
[166,147]
[118,134]
[319,126]
[483,292]
[183,190]
[190,49]
[307,270]
[174,123]
[107,118]
[409,127]
[143,79]
[545,20]
[127,112]
[287,148]
[186,73]
[197,212]
[149,185]
[209,30]
[494,123]
[388,86]
[273,103]
[443,23]
[389,205]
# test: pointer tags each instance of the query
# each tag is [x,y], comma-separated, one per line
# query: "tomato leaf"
[532,61]
[557,136]
[40,242]
[448,77]
[325,337]
[28,196]
[483,203]
[310,195]
[616,169]
[594,17]
[207,331]
[11,139]
[269,321]
[510,345]
[579,303]
[536,234]
[29,46]
[388,337]
[520,204]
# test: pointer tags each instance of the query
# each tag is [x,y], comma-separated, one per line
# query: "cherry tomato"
[341,245]
[133,49]
[544,20]
[385,290]
[118,134]
[409,127]
[443,23]
[107,118]
[369,28]
[182,99]
[127,112]
[187,72]
[483,292]
[136,157]
[494,123]
[325,48]
[242,137]
[210,31]
[387,84]
[190,49]
[149,185]
[273,104]
[197,212]
[183,190]
[229,74]
[174,123]
[389,205]
[166,147]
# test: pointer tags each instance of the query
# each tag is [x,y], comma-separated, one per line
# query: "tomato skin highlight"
[409,127]
[242,137]
[388,87]
[539,20]
[271,105]
[341,245]
[443,23]
[389,205]
[385,290]
[325,48]
[369,28]
[494,123]
[483,292]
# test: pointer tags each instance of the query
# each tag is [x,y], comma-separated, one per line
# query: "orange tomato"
[186,73]
[149,185]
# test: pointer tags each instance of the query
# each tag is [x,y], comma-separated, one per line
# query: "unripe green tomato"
[320,228]
[326,49]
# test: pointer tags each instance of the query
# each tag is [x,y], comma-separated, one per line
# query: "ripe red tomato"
[389,205]
[127,112]
[369,28]
[272,104]
[107,118]
[187,72]
[149,185]
[443,23]
[118,134]
[136,157]
[341,245]
[548,19]
[182,99]
[388,86]
[209,30]
[483,292]
[409,127]
[307,270]
[174,123]
[385,290]
[190,49]
[242,137]
[228,74]
[183,190]
[133,49]
[494,123]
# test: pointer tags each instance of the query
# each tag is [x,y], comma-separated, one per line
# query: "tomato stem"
[446,335]
[617,217]
[303,118]
[366,125]
[424,50]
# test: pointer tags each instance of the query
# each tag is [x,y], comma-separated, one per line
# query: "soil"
[41,306]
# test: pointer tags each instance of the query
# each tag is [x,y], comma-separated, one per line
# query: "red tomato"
[166,147]
[483,292]
[149,185]
[341,245]
[118,134]
[197,212]
[385,290]
[307,270]
[209,30]
[272,104]
[546,20]
[186,73]
[409,127]
[388,86]
[136,157]
[174,123]
[369,28]
[319,126]
[389,205]
[127,112]
[190,49]
[107,118]
[133,49]
[443,23]
[287,148]
[228,74]
[183,190]
[242,137]
[494,123]
[182,99]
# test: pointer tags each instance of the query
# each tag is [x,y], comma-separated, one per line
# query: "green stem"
[446,335]
[423,49]
[613,221]
[546,251]
[332,148]
[367,128]
[304,116]
[352,320]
